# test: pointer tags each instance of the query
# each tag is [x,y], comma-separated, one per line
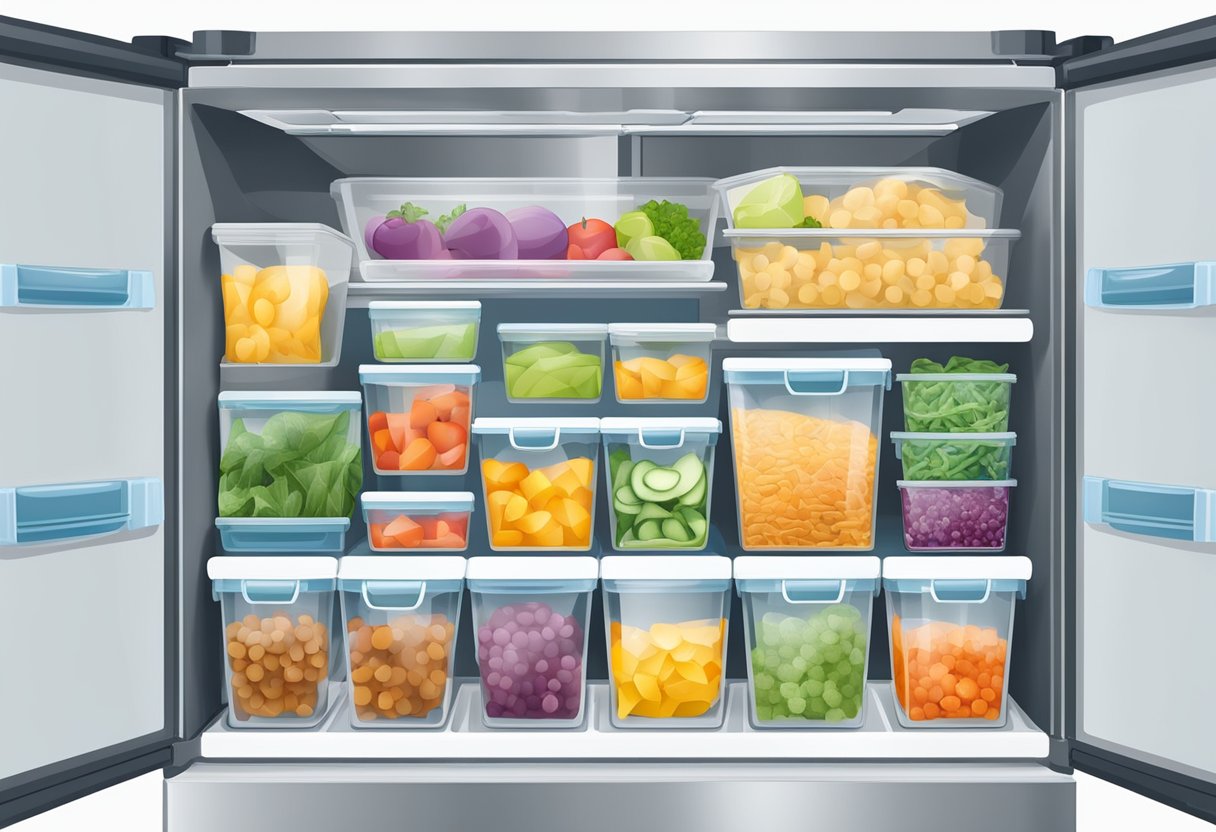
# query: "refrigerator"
[117,158]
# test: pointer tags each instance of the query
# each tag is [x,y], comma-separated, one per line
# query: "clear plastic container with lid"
[661,362]
[401,617]
[553,362]
[276,613]
[659,475]
[418,416]
[956,402]
[538,478]
[531,616]
[666,617]
[951,621]
[417,521]
[805,436]
[807,622]
[284,292]
[959,514]
[955,456]
[276,492]
[424,330]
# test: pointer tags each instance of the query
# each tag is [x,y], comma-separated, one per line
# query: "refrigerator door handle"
[1175,286]
[70,288]
[50,513]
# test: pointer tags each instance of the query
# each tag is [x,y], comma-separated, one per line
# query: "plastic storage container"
[290,469]
[553,362]
[956,402]
[955,515]
[363,202]
[276,614]
[805,435]
[538,479]
[666,619]
[417,521]
[402,616]
[424,330]
[827,190]
[284,292]
[955,456]
[661,362]
[532,616]
[418,416]
[951,622]
[659,478]
[829,269]
[807,622]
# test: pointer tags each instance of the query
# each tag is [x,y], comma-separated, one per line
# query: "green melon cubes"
[553,370]
[810,668]
[450,342]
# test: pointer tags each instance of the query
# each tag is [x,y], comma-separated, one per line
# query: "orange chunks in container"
[432,436]
[278,665]
[803,482]
[944,670]
[679,377]
[421,531]
[542,508]
[273,315]
[399,669]
[669,670]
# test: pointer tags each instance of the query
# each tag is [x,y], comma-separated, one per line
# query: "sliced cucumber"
[674,530]
[637,481]
[625,495]
[698,526]
[648,530]
[696,496]
[691,471]
[625,509]
[650,511]
[662,481]
[621,476]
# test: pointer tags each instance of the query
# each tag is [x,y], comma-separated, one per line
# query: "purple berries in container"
[530,617]
[955,515]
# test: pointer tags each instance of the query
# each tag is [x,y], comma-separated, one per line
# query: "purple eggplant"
[404,235]
[541,233]
[482,234]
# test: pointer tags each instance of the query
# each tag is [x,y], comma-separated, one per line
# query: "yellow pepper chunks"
[669,670]
[541,508]
[273,315]
[803,482]
[678,377]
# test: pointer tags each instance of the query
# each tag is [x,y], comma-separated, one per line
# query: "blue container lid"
[810,376]
[417,500]
[544,575]
[465,374]
[309,401]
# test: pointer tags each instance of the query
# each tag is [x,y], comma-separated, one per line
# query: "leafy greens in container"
[300,465]
[964,396]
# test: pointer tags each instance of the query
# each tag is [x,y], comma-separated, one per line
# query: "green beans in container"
[954,456]
[963,396]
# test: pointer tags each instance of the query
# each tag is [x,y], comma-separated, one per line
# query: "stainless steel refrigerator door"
[1142,116]
[87,438]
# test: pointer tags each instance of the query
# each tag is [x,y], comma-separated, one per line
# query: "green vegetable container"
[659,476]
[424,330]
[963,396]
[955,456]
[553,362]
[288,455]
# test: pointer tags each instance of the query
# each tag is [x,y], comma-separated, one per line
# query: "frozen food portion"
[451,342]
[298,465]
[420,531]
[646,377]
[956,515]
[400,668]
[277,665]
[944,670]
[530,658]
[955,456]
[659,506]
[553,370]
[432,435]
[667,670]
[547,507]
[975,402]
[273,315]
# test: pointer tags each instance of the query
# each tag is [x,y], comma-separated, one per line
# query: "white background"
[136,806]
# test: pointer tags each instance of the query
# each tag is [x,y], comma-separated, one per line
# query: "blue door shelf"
[48,513]
[1172,512]
[48,287]
[1174,286]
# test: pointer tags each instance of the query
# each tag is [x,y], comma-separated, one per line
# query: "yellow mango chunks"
[273,315]
[678,377]
[669,670]
[542,508]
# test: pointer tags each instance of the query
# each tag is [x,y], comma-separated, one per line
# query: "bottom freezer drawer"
[617,796]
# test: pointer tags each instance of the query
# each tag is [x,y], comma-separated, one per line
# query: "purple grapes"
[967,517]
[531,662]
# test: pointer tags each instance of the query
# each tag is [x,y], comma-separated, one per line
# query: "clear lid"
[630,426]
[985,567]
[419,373]
[276,524]
[416,305]
[663,332]
[743,234]
[397,568]
[232,567]
[898,436]
[312,401]
[689,568]
[955,483]
[805,376]
[806,567]
[417,500]
[588,331]
[502,425]
[507,568]
[969,377]
[274,233]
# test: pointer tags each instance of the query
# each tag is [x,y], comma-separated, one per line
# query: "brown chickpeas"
[277,665]
[399,669]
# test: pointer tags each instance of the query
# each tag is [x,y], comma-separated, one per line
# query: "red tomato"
[594,237]
[614,254]
[573,252]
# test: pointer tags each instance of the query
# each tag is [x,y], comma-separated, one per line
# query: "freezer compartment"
[284,292]
[829,269]
[475,229]
[843,197]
